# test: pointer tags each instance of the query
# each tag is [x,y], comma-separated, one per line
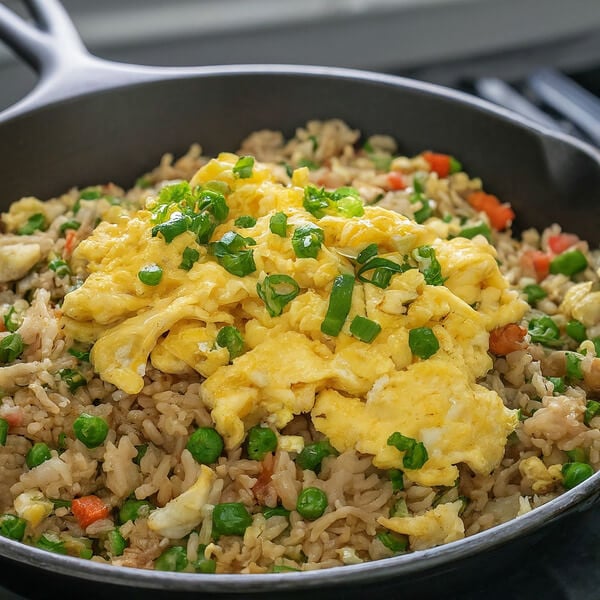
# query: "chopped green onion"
[424,212]
[115,543]
[278,224]
[172,559]
[481,229]
[12,320]
[205,565]
[534,293]
[276,291]
[396,542]
[419,184]
[72,224]
[82,355]
[34,223]
[312,503]
[423,342]
[243,167]
[176,225]
[315,143]
[133,509]
[283,569]
[189,257]
[205,445]
[397,478]
[573,363]
[312,455]
[11,347]
[544,330]
[232,256]
[383,269]
[150,275]
[245,221]
[51,543]
[90,193]
[364,329]
[141,452]
[415,453]
[260,441]
[592,408]
[143,182]
[576,330]
[12,527]
[577,455]
[230,337]
[62,442]
[213,201]
[278,511]
[344,201]
[340,302]
[231,518]
[60,503]
[307,240]
[558,383]
[60,267]
[596,342]
[316,201]
[569,263]
[4,427]
[91,431]
[428,265]
[309,164]
[399,509]
[73,378]
[574,473]
[366,254]
[38,454]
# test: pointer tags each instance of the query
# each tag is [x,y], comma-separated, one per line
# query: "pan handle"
[52,46]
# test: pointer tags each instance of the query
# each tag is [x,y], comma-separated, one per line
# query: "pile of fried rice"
[96,502]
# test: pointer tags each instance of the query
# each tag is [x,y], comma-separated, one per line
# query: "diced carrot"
[88,510]
[70,241]
[500,215]
[13,415]
[506,339]
[535,263]
[562,241]
[396,181]
[440,163]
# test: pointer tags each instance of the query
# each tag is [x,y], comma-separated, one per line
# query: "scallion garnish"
[231,254]
[243,167]
[415,453]
[382,269]
[558,383]
[307,240]
[576,330]
[534,293]
[423,342]
[11,320]
[245,221]
[395,542]
[150,275]
[189,257]
[177,224]
[573,364]
[592,408]
[473,230]
[544,330]
[569,263]
[344,201]
[276,291]
[72,224]
[278,224]
[366,254]
[364,329]
[428,265]
[230,337]
[90,193]
[311,165]
[11,347]
[340,302]
[73,378]
[83,355]
[34,223]
[60,267]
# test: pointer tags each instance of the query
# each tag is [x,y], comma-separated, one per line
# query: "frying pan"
[91,121]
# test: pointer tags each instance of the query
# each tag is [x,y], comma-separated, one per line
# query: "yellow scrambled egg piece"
[357,393]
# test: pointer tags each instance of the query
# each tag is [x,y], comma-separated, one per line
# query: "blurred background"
[529,55]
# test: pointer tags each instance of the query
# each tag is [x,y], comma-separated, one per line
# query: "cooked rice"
[39,406]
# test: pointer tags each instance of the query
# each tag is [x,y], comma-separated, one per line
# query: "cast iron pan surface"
[90,121]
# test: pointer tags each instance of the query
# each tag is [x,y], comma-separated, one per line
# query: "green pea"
[312,455]
[205,565]
[569,263]
[577,455]
[150,275]
[205,445]
[172,559]
[38,454]
[574,473]
[534,293]
[231,518]
[260,441]
[311,503]
[115,543]
[90,430]
[12,527]
[133,509]
[592,408]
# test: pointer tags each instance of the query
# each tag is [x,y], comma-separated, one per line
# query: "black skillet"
[91,121]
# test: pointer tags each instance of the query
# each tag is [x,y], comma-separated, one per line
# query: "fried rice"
[545,367]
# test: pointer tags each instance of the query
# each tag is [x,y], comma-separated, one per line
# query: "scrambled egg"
[357,393]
